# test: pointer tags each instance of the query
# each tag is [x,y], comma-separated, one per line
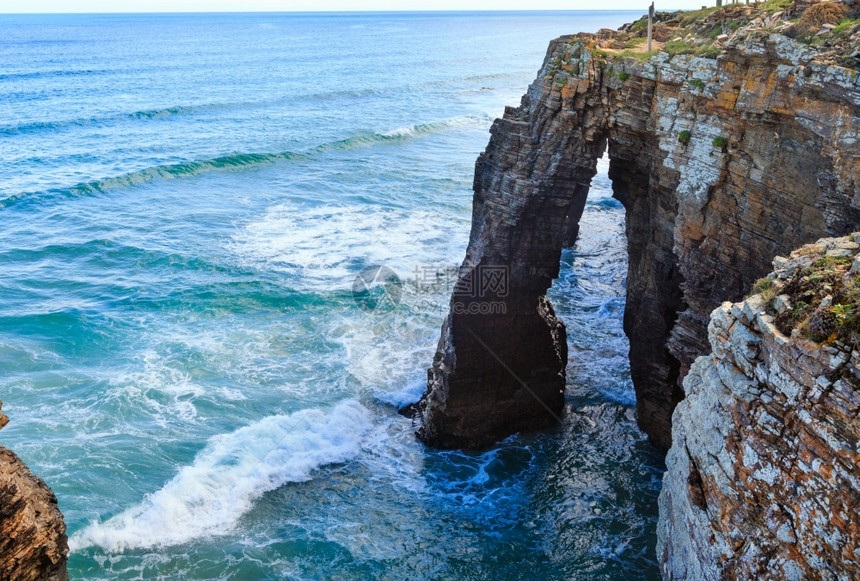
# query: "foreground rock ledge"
[33,543]
[721,162]
[763,480]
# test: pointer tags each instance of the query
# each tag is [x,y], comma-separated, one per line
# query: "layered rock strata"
[763,480]
[722,161]
[500,367]
[33,543]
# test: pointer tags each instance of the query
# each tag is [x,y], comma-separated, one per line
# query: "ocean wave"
[170,111]
[334,95]
[405,133]
[605,204]
[178,110]
[430,128]
[209,496]
[161,172]
[144,114]
[241,161]
[180,170]
[54,73]
[174,110]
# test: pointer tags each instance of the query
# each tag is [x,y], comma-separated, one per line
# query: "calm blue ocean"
[185,201]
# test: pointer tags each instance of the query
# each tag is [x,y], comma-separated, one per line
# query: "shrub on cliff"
[821,324]
[816,16]
[821,300]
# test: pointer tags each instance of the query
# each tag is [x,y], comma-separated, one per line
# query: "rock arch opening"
[653,295]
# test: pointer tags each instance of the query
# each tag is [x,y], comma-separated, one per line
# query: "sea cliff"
[725,149]
[736,140]
[762,479]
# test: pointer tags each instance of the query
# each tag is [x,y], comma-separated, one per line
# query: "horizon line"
[399,11]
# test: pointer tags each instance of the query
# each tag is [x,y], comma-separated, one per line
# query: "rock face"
[721,163]
[33,543]
[762,479]
[500,367]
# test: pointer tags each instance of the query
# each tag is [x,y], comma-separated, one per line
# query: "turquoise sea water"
[185,202]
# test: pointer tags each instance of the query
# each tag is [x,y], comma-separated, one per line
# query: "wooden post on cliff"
[650,24]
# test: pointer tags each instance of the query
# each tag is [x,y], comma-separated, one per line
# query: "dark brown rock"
[33,543]
[500,366]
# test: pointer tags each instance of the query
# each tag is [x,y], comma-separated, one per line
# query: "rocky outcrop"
[763,480]
[500,367]
[33,543]
[723,155]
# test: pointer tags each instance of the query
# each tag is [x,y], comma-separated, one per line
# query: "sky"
[31,6]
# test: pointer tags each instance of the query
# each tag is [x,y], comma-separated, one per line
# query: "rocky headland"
[735,140]
[730,143]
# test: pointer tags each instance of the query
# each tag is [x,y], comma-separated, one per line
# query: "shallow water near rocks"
[186,201]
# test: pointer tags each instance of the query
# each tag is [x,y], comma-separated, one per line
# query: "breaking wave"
[210,495]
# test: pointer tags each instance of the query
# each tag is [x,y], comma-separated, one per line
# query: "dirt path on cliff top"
[655,46]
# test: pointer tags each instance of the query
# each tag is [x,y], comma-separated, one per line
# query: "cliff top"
[815,292]
[830,29]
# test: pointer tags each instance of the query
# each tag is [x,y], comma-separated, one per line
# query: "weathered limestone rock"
[770,161]
[500,366]
[33,543]
[763,477]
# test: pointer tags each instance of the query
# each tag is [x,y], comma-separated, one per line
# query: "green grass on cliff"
[695,32]
[827,280]
[680,47]
[772,6]
[634,42]
[642,56]
[847,26]
[764,287]
[694,16]
[640,24]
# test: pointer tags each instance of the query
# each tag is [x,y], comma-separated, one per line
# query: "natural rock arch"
[704,217]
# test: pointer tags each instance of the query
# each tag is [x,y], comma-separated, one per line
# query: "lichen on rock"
[762,479]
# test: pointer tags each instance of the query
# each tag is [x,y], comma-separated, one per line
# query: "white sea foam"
[210,495]
[325,247]
[167,393]
[322,250]
[388,355]
[394,454]
[483,120]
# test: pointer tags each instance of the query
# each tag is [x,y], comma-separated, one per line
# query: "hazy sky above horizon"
[62,6]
